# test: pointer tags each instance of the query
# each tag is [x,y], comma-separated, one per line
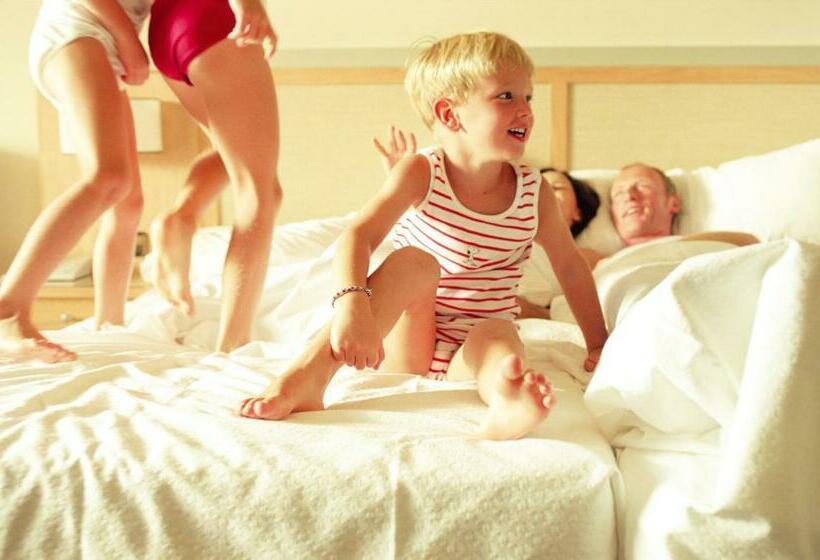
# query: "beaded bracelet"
[367,291]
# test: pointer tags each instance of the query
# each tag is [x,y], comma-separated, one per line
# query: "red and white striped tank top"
[480,255]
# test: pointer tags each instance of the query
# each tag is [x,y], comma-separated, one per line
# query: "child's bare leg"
[244,126]
[403,305]
[517,397]
[172,232]
[82,80]
[114,248]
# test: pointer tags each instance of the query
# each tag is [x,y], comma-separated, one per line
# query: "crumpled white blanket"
[720,360]
[135,451]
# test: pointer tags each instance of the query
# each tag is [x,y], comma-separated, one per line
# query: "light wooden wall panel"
[585,117]
[328,165]
[687,125]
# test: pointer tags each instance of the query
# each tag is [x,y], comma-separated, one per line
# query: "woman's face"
[565,195]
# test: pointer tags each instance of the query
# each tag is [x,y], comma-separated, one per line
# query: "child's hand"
[397,147]
[593,357]
[252,26]
[135,62]
[354,337]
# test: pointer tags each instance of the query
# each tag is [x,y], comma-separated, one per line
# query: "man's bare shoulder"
[739,238]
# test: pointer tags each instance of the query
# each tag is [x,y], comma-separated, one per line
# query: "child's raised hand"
[354,336]
[398,147]
[252,26]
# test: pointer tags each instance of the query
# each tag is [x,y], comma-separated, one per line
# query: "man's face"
[641,208]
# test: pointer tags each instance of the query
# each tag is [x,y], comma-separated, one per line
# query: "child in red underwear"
[213,55]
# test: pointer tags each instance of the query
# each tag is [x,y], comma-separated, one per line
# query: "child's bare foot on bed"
[522,399]
[172,236]
[20,340]
[296,390]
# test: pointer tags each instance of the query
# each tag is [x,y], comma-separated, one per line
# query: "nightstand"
[60,304]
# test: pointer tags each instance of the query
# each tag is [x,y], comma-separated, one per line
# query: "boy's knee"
[494,328]
[417,262]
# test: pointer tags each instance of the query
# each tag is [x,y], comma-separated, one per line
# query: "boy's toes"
[246,408]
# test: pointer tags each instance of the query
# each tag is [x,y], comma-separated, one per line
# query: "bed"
[135,451]
[707,387]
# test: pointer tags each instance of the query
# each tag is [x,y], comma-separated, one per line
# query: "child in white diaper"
[82,53]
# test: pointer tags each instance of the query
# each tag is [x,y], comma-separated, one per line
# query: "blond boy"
[463,217]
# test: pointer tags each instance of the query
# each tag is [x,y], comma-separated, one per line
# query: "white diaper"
[63,21]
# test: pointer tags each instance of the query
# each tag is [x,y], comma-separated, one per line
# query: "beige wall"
[687,125]
[396,24]
[552,23]
[19,199]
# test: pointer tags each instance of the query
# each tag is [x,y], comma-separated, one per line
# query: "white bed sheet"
[709,383]
[134,451]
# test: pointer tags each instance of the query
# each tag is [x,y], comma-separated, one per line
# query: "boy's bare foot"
[296,390]
[172,237]
[20,340]
[522,400]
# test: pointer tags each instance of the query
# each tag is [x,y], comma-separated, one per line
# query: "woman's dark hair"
[586,198]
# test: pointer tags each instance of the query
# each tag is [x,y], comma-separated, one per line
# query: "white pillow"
[772,195]
[292,243]
[600,234]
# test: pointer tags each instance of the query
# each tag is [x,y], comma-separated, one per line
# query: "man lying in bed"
[643,206]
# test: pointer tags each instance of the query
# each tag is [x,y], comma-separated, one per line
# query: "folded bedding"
[717,360]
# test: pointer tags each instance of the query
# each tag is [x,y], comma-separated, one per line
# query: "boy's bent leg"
[518,398]
[403,295]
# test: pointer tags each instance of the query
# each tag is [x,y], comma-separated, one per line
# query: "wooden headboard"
[586,117]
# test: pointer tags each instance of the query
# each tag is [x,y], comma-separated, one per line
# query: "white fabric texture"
[134,451]
[719,361]
[296,298]
[773,195]
[627,276]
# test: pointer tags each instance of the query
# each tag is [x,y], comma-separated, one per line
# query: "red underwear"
[180,30]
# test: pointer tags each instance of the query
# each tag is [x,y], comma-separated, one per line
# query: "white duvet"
[710,384]
[135,450]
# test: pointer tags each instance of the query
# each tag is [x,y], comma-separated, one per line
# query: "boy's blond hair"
[451,68]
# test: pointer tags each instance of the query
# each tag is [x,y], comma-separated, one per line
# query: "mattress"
[135,451]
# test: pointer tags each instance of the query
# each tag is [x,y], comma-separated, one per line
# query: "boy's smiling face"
[496,119]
